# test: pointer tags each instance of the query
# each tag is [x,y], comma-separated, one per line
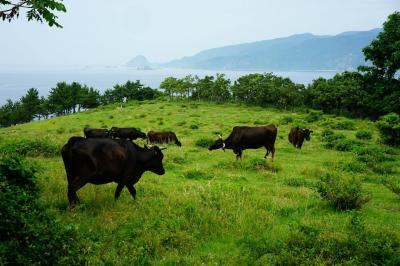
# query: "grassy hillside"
[210,208]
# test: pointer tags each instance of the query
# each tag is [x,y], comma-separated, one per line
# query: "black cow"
[96,132]
[127,133]
[242,138]
[297,136]
[163,137]
[101,161]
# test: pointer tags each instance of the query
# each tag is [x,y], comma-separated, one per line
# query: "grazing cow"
[101,161]
[163,137]
[297,136]
[242,138]
[127,133]
[96,132]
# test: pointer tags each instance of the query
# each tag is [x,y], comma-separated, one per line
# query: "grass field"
[211,209]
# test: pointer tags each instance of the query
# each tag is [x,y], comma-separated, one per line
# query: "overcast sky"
[98,32]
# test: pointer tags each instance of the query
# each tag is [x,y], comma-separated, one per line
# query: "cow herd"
[105,156]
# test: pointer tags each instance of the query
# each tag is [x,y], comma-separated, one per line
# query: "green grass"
[210,208]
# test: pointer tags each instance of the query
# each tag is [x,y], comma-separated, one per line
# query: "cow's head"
[307,133]
[218,144]
[153,161]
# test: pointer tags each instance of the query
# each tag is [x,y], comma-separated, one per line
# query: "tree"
[39,10]
[384,51]
[169,85]
[30,104]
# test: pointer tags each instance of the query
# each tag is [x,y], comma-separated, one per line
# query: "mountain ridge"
[304,51]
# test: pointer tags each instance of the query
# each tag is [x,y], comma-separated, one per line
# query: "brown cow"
[162,137]
[297,136]
[242,138]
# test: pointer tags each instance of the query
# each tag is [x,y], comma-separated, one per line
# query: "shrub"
[60,130]
[28,147]
[364,134]
[342,192]
[311,245]
[393,185]
[197,175]
[344,124]
[339,142]
[286,120]
[194,126]
[389,128]
[345,144]
[204,143]
[314,116]
[28,235]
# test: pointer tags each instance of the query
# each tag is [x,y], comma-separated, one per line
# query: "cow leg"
[73,187]
[240,154]
[118,190]
[273,153]
[265,156]
[132,190]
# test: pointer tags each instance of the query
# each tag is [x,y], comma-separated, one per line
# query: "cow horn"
[163,148]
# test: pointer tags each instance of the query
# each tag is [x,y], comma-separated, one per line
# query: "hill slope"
[297,52]
[209,208]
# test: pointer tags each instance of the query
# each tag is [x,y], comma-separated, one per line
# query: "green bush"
[30,147]
[204,143]
[364,134]
[389,128]
[197,175]
[307,244]
[344,124]
[28,235]
[314,116]
[394,185]
[339,141]
[194,126]
[342,192]
[286,120]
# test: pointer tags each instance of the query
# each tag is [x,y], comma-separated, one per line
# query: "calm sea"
[15,81]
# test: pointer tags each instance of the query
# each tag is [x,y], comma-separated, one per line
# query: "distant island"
[139,62]
[300,52]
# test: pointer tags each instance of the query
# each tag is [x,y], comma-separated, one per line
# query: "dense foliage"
[39,10]
[28,235]
[389,127]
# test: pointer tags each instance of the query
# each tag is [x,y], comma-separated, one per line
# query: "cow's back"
[98,159]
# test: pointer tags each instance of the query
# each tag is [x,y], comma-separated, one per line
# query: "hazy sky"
[112,32]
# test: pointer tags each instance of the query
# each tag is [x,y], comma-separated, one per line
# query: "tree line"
[67,98]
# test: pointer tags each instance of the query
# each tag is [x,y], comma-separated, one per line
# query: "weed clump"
[393,185]
[364,134]
[287,119]
[197,175]
[311,245]
[30,147]
[389,128]
[314,116]
[204,143]
[344,124]
[194,126]
[342,192]
[338,141]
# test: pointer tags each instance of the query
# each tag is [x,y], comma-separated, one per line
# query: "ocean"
[15,81]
